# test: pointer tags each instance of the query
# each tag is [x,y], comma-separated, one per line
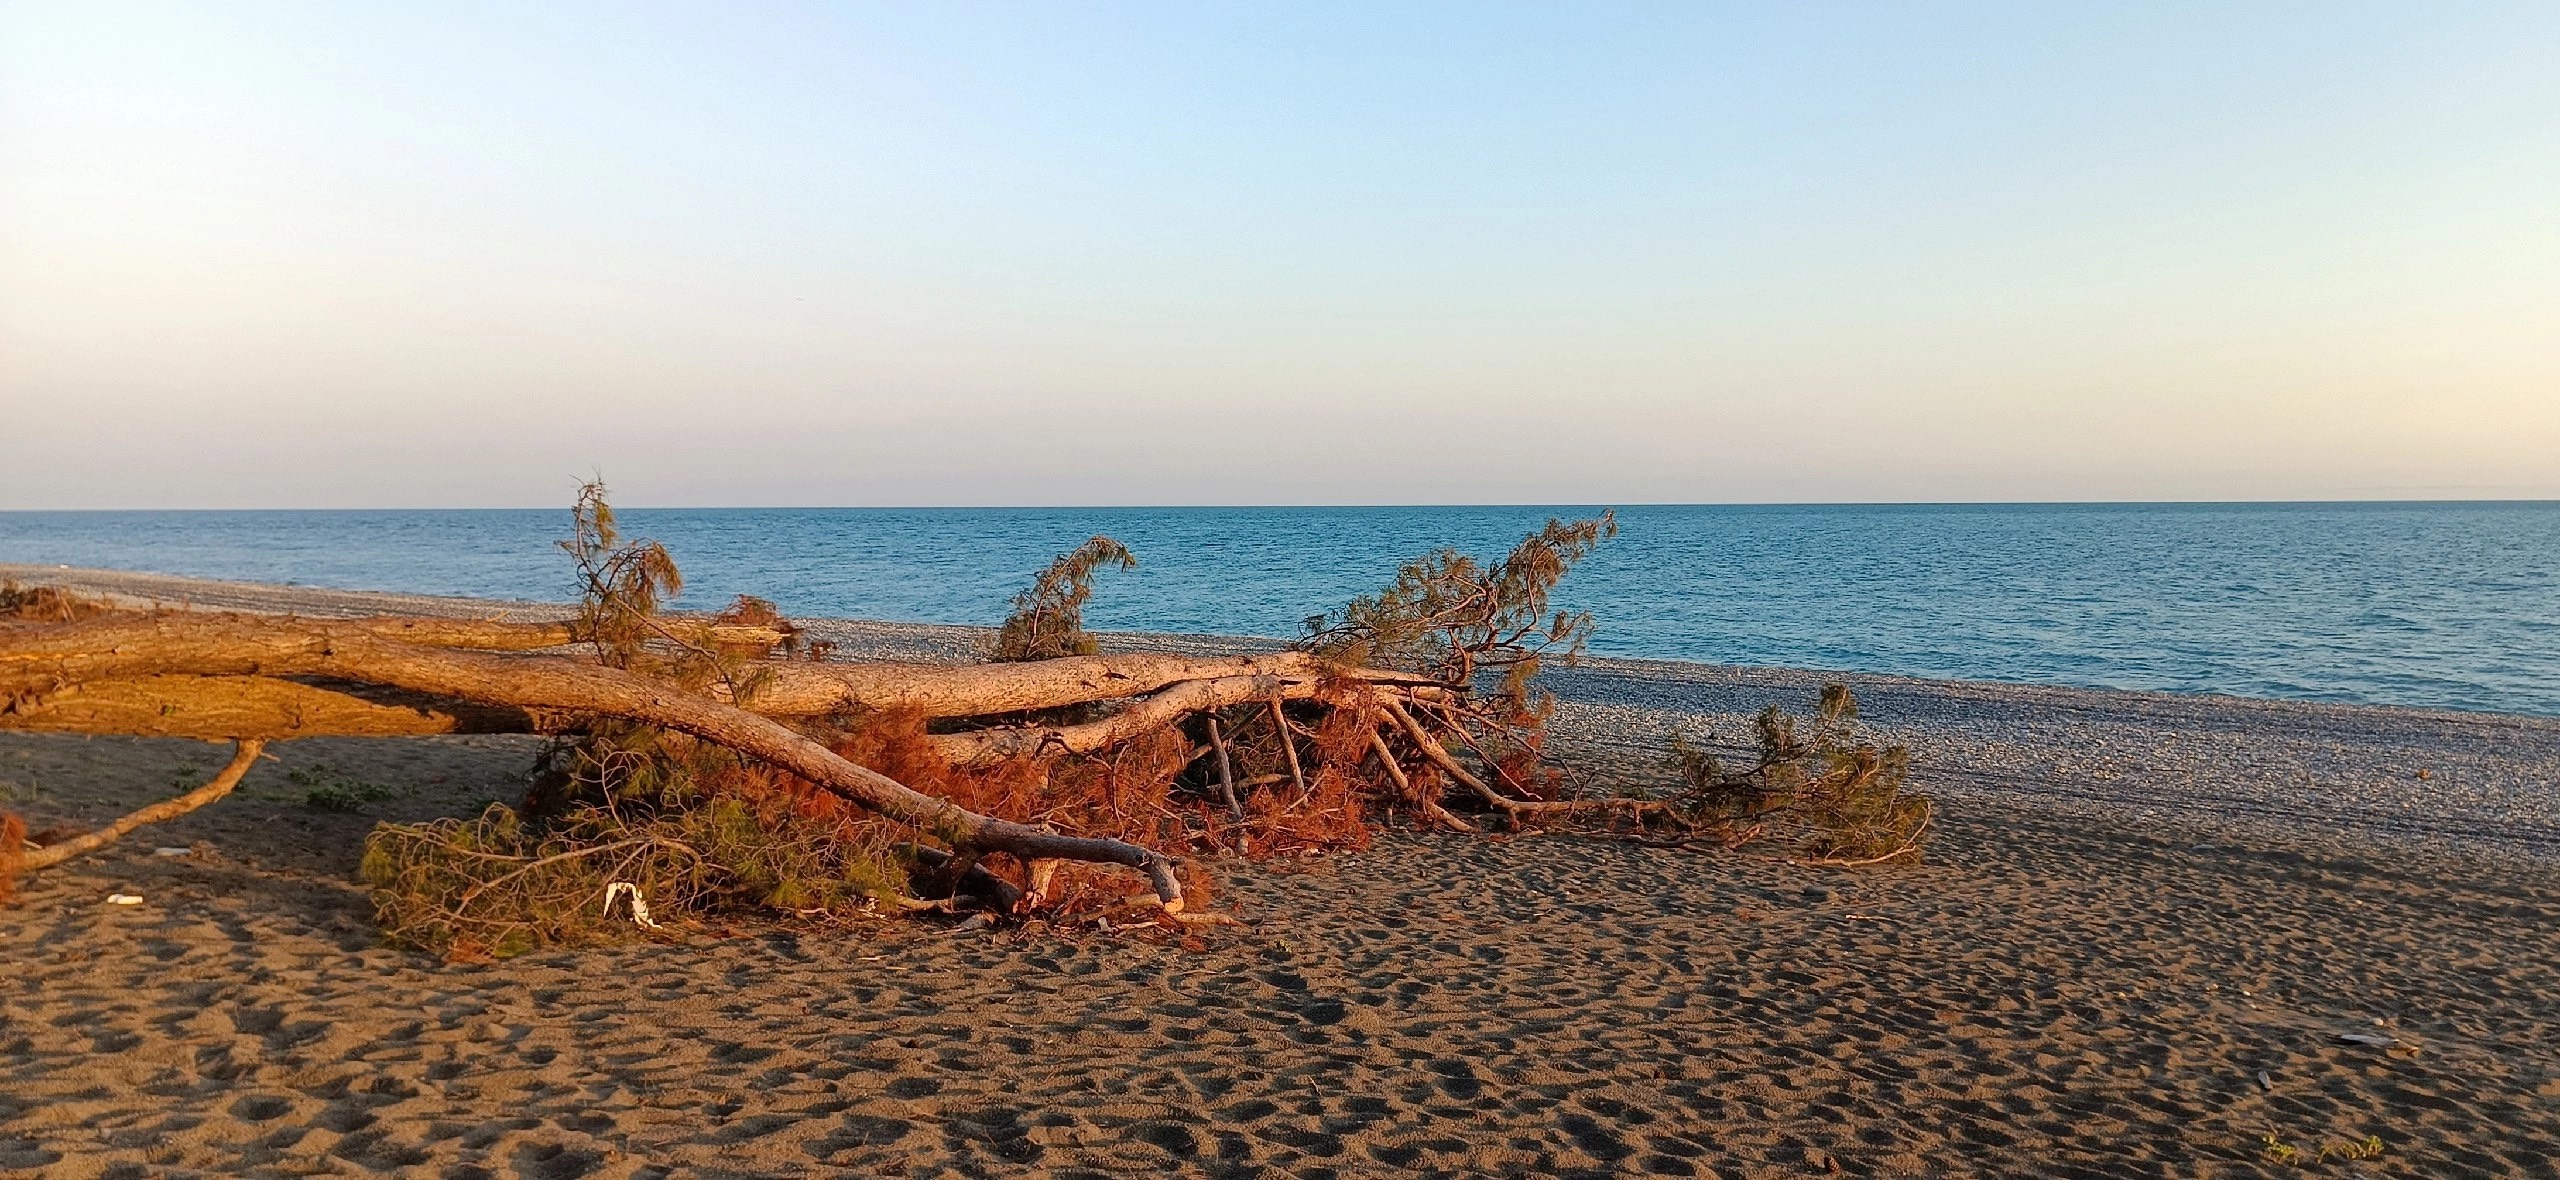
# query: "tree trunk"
[218,708]
[38,661]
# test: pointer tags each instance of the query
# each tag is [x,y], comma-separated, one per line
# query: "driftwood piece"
[1147,714]
[497,635]
[43,661]
[243,756]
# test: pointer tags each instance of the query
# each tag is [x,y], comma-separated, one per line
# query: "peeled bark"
[218,708]
[981,690]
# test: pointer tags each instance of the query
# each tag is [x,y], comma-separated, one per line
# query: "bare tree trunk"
[40,660]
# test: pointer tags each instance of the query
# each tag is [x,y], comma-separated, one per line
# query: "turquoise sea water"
[2453,605]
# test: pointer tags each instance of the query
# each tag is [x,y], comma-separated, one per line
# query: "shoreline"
[889,639]
[2303,771]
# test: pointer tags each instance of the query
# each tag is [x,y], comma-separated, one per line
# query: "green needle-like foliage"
[1047,622]
[624,585]
[1824,792]
[1452,616]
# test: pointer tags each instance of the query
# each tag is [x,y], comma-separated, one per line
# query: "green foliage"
[1827,794]
[499,884]
[1451,616]
[624,584]
[770,858]
[1047,622]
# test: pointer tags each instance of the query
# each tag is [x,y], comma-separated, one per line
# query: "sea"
[2451,605]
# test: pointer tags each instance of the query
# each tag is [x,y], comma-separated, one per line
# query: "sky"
[459,255]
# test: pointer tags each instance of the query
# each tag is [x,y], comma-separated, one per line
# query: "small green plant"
[326,790]
[1833,797]
[2277,1151]
[2369,1147]
[1047,622]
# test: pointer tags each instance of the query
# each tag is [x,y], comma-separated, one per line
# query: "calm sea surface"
[2447,605]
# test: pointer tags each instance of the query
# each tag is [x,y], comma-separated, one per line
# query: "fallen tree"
[161,646]
[1419,701]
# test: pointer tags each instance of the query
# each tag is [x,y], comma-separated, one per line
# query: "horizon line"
[1215,507]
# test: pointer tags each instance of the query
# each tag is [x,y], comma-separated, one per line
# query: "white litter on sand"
[639,905]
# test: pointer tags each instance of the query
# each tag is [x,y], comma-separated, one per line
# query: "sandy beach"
[2143,928]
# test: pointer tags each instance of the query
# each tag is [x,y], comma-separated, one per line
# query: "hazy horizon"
[1311,506]
[456,256]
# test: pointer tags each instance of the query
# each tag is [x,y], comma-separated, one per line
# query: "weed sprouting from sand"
[326,790]
[1048,617]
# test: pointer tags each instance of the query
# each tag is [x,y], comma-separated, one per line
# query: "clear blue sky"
[452,254]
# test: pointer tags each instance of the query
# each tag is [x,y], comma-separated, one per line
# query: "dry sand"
[2143,926]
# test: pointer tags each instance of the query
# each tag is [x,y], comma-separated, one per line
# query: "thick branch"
[987,746]
[242,758]
[980,690]
[1226,771]
[1404,786]
[495,635]
[1510,807]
